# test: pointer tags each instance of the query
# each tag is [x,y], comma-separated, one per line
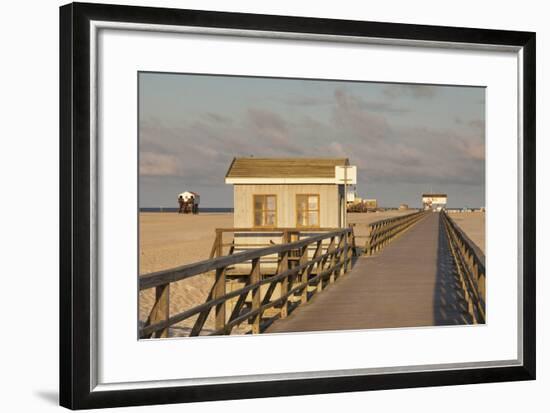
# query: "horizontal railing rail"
[221,246]
[382,232]
[470,264]
[298,275]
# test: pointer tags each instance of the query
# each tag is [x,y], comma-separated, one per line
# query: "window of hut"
[265,210]
[307,210]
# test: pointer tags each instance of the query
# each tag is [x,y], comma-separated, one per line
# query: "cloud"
[266,120]
[383,107]
[410,90]
[477,124]
[470,149]
[200,152]
[157,164]
[337,149]
[350,113]
[273,131]
[417,155]
[216,118]
[302,100]
[195,151]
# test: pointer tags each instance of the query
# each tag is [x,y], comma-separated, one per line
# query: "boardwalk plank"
[411,283]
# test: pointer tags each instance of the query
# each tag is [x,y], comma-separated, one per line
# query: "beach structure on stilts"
[280,201]
[188,202]
[290,192]
[292,197]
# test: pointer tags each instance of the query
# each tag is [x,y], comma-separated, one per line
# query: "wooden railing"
[298,275]
[470,264]
[270,236]
[382,232]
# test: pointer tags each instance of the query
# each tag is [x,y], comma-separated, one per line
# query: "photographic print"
[260,183]
[276,205]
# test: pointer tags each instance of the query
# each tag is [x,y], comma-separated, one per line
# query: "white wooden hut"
[434,202]
[290,192]
[303,194]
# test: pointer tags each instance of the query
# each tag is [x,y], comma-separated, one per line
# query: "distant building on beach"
[435,202]
[352,197]
[290,192]
[371,204]
[363,205]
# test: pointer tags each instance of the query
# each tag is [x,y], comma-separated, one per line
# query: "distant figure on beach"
[182,204]
[188,203]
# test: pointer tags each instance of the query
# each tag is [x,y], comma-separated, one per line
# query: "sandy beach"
[169,240]
[473,224]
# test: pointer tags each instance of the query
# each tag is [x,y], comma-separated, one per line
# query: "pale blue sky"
[405,139]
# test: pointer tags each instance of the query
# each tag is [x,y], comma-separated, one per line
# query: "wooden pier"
[410,271]
[411,283]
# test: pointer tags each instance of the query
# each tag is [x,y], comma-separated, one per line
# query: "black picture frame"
[75,219]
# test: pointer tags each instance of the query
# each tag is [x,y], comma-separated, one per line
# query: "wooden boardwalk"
[411,283]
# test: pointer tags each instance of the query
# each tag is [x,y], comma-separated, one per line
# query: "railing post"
[256,295]
[345,253]
[215,245]
[284,285]
[353,244]
[284,282]
[332,277]
[322,264]
[161,309]
[340,259]
[305,273]
[219,291]
[481,285]
[319,252]
[219,247]
[368,248]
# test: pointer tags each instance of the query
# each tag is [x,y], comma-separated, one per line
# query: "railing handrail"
[383,231]
[470,264]
[386,221]
[479,256]
[163,277]
[294,276]
[236,293]
[278,229]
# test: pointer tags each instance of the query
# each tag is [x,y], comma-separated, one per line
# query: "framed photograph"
[257,205]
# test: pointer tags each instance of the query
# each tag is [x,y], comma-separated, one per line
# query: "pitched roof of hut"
[284,167]
[434,195]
